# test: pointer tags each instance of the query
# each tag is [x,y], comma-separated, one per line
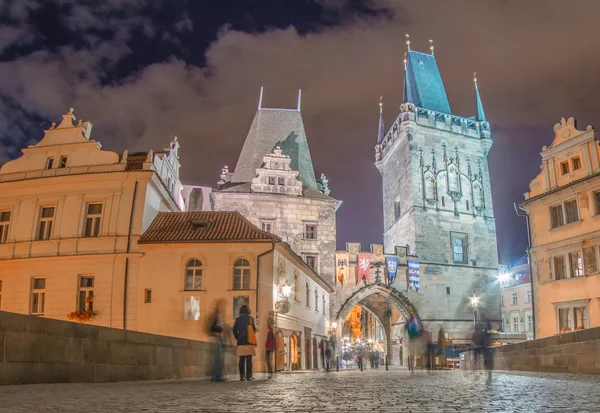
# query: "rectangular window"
[559,267]
[443,201]
[564,167]
[529,323]
[63,162]
[579,317]
[515,324]
[576,264]
[576,163]
[467,202]
[266,226]
[4,226]
[556,216]
[515,298]
[564,322]
[310,231]
[572,211]
[192,308]
[271,180]
[147,295]
[38,296]
[311,261]
[280,181]
[459,247]
[447,290]
[528,297]
[49,162]
[597,201]
[92,220]
[0,294]
[502,300]
[46,221]
[397,210]
[85,299]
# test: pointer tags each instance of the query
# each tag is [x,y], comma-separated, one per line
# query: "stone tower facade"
[437,200]
[274,186]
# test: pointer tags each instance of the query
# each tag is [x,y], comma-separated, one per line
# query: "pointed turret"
[381,130]
[423,84]
[480,112]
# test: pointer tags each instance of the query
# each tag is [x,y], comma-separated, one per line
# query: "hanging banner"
[341,269]
[364,268]
[392,269]
[413,274]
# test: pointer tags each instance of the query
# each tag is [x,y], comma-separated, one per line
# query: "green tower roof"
[423,84]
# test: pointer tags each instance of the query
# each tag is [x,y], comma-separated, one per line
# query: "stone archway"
[395,297]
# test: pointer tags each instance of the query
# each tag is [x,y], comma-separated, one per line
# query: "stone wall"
[41,350]
[577,352]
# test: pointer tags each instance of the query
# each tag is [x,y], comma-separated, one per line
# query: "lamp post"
[283,306]
[474,304]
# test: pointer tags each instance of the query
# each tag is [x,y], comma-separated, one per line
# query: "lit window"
[4,225]
[559,267]
[310,231]
[49,162]
[147,295]
[241,275]
[572,211]
[85,300]
[311,261]
[515,298]
[38,296]
[46,222]
[307,295]
[564,168]
[459,247]
[193,275]
[192,308]
[63,162]
[556,216]
[576,163]
[92,220]
[576,264]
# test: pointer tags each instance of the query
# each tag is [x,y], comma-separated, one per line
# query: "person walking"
[270,347]
[216,331]
[327,356]
[244,331]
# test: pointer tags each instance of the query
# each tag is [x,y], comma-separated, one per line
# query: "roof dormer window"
[49,163]
[200,225]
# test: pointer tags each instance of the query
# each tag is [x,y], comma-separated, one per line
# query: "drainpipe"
[526,216]
[258,275]
[127,258]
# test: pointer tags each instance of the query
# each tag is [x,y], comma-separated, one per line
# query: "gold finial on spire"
[405,60]
[431,47]
[475,78]
[407,41]
[380,104]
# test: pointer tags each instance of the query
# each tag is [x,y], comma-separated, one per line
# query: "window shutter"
[589,258]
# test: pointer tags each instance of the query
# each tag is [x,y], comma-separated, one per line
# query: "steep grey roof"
[423,84]
[245,188]
[271,128]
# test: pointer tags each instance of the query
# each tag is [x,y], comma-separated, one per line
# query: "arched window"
[477,195]
[307,295]
[296,287]
[193,275]
[323,303]
[316,300]
[241,275]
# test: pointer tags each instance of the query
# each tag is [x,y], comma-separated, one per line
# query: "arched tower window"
[477,195]
[193,275]
[241,275]
[429,187]
[307,295]
[453,179]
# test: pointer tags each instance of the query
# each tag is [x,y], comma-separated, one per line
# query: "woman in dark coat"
[245,347]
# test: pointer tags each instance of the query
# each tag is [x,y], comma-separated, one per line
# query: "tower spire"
[480,112]
[381,130]
[407,41]
[299,98]
[431,47]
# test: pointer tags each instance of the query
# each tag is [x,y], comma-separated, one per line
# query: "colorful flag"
[413,274]
[364,268]
[392,269]
[341,268]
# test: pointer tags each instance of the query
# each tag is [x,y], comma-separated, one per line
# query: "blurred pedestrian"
[270,346]
[244,331]
[216,331]
[328,351]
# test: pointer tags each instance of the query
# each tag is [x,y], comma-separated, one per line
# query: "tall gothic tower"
[437,200]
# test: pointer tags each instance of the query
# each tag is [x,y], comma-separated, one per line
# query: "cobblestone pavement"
[348,391]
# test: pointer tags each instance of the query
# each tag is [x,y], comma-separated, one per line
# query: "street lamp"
[474,304]
[283,306]
[503,277]
[286,291]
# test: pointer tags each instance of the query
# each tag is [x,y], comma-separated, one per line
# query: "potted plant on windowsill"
[565,330]
[83,316]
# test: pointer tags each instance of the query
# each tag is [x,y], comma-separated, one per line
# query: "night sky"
[143,70]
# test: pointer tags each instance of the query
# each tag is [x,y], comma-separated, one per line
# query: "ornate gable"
[276,175]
